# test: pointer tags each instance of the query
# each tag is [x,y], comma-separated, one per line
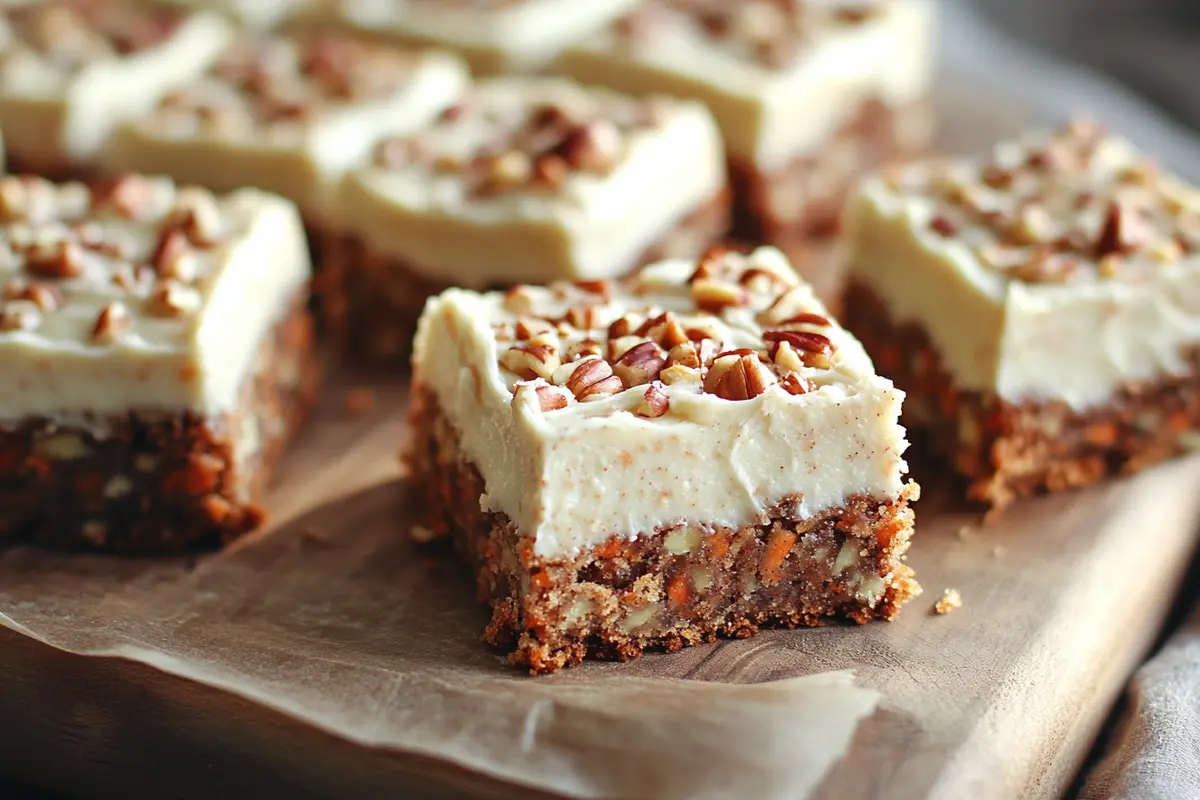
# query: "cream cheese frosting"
[1063,268]
[610,432]
[70,72]
[779,82]
[494,36]
[288,114]
[483,196]
[138,295]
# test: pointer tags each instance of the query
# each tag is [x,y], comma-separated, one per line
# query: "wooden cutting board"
[1000,698]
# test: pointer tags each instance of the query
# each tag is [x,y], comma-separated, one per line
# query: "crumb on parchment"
[951,600]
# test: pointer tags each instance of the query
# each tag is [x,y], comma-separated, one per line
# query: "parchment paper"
[330,616]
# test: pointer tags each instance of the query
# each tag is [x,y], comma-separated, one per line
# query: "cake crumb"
[998,551]
[951,600]
[421,535]
[359,402]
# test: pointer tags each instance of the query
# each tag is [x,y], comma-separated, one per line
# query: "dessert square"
[494,36]
[526,180]
[1041,308]
[72,70]
[807,94]
[701,453]
[156,357]
[288,114]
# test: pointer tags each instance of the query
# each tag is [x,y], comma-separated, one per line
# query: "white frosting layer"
[769,117]
[304,162]
[53,115]
[593,226]
[194,361]
[1077,342]
[576,476]
[493,36]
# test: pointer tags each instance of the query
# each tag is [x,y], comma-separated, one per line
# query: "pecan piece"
[111,324]
[529,327]
[19,315]
[534,361]
[794,384]
[593,379]
[715,296]
[654,403]
[685,355]
[640,364]
[46,296]
[802,341]
[738,375]
[60,259]
[170,249]
[582,349]
[678,373]
[592,147]
[1123,231]
[173,299]
[664,329]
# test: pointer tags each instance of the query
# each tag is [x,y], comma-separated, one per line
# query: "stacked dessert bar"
[1041,308]
[73,70]
[524,180]
[700,452]
[157,355]
[290,114]
[808,94]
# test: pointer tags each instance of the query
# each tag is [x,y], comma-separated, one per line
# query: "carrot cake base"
[1010,450]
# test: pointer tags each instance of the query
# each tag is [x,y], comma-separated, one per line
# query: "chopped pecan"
[19,315]
[654,403]
[111,324]
[738,375]
[686,355]
[794,384]
[529,362]
[46,296]
[714,296]
[172,299]
[802,341]
[593,147]
[1123,231]
[593,379]
[61,259]
[529,327]
[640,364]
[584,348]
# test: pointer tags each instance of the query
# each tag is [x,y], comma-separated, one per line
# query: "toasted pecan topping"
[1076,204]
[594,345]
[111,324]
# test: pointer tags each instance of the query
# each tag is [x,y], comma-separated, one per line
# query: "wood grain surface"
[1000,698]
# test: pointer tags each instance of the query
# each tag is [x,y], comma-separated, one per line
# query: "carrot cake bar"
[701,453]
[526,180]
[808,94]
[1040,307]
[288,114]
[156,356]
[72,70]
